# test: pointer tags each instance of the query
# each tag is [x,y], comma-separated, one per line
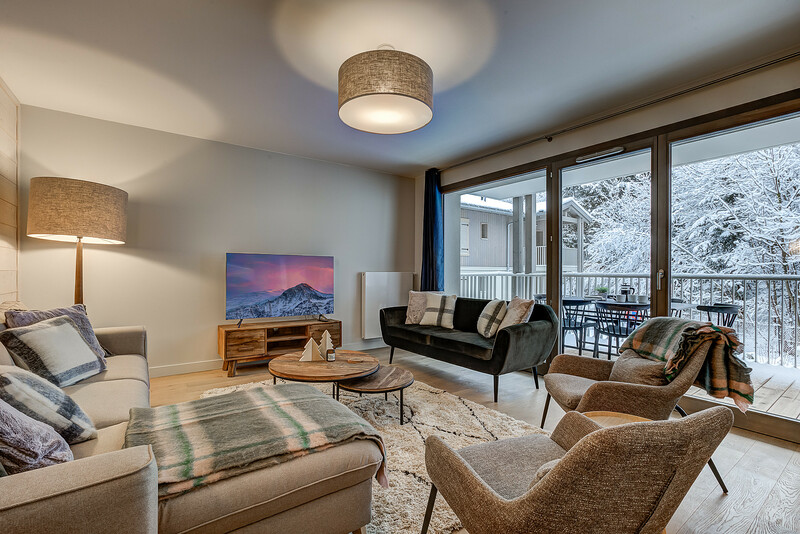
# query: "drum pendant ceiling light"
[385,91]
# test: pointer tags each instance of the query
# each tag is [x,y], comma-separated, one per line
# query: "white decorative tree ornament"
[325,344]
[311,353]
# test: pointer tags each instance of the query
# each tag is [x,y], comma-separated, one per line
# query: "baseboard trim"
[216,363]
[183,368]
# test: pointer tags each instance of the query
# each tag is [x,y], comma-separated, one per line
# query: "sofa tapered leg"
[710,461]
[429,510]
[496,384]
[391,354]
[535,377]
[544,413]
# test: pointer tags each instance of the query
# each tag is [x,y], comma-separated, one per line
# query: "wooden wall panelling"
[9,198]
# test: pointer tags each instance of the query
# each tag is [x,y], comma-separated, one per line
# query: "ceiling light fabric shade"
[63,209]
[385,92]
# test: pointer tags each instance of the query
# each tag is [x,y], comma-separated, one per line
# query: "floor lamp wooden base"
[79,272]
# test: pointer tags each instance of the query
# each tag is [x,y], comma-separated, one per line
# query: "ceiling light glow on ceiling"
[385,92]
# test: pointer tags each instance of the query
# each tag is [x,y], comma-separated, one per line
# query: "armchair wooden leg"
[544,413]
[391,354]
[535,377]
[496,385]
[710,461]
[429,510]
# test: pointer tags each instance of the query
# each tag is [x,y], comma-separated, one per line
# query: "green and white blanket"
[674,341]
[200,442]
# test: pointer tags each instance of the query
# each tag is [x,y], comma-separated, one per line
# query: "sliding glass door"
[735,247]
[605,233]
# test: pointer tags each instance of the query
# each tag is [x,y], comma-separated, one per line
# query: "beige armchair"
[627,478]
[585,385]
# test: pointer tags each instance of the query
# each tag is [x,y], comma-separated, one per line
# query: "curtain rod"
[549,137]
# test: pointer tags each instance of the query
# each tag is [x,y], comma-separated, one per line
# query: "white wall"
[190,202]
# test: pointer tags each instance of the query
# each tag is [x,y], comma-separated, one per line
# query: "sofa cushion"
[132,366]
[53,349]
[39,399]
[108,439]
[566,389]
[417,333]
[110,401]
[241,500]
[417,302]
[467,313]
[439,310]
[5,357]
[77,312]
[491,317]
[26,443]
[519,311]
[632,368]
[469,343]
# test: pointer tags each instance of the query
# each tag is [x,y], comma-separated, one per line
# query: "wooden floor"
[762,473]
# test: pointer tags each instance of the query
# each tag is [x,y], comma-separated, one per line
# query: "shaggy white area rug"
[428,411]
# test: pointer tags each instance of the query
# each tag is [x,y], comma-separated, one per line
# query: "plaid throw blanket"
[674,341]
[200,442]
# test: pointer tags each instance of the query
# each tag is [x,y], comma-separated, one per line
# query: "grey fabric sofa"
[517,347]
[111,489]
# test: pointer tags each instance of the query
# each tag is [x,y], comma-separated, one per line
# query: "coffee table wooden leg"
[386,396]
[401,406]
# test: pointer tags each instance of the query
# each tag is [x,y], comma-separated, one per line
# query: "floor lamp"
[77,211]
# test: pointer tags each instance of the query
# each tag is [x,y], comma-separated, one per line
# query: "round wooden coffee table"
[385,380]
[349,364]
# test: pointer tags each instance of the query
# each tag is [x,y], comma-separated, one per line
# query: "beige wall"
[760,84]
[191,201]
[8,194]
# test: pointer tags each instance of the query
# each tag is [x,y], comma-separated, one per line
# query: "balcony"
[768,324]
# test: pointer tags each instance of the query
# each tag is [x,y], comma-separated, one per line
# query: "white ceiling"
[262,73]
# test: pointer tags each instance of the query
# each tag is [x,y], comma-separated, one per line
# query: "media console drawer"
[262,341]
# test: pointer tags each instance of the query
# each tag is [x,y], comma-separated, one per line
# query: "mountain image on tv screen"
[272,285]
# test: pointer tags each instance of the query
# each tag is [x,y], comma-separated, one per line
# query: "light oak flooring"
[762,473]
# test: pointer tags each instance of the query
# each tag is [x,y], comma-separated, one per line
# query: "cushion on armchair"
[633,369]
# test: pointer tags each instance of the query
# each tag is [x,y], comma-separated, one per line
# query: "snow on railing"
[768,324]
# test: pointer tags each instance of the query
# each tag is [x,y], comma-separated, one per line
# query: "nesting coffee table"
[385,380]
[349,364]
[352,371]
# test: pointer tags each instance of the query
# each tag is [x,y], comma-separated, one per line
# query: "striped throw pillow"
[491,317]
[39,399]
[53,349]
[439,310]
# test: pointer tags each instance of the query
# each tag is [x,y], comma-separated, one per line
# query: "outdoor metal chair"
[726,313]
[577,316]
[617,321]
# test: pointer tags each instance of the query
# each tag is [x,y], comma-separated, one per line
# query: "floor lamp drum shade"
[63,209]
[385,92]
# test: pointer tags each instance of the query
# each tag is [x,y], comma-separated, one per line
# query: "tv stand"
[323,318]
[251,342]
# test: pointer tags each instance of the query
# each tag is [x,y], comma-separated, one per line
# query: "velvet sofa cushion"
[468,343]
[467,313]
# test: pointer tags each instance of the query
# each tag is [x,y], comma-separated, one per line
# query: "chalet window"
[484,230]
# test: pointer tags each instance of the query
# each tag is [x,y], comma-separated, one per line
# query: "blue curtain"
[432,277]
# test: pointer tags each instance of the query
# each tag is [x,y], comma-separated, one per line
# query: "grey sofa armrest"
[111,492]
[123,339]
[392,317]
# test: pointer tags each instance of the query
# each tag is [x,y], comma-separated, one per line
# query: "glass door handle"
[658,279]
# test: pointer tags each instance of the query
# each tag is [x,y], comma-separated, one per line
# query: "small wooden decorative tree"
[311,353]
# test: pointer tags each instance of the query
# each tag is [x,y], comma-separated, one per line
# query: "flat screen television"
[277,285]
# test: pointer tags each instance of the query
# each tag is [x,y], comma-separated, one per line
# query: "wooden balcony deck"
[777,390]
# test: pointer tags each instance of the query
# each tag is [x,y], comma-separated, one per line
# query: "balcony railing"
[769,323]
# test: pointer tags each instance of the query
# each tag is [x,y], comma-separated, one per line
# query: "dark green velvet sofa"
[515,348]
